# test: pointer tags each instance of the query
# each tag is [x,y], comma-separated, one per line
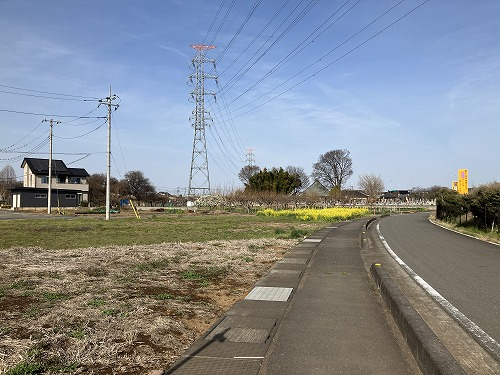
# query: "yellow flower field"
[325,214]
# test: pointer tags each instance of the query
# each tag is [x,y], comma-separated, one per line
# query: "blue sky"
[412,102]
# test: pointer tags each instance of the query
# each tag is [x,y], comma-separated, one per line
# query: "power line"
[49,93]
[213,21]
[45,114]
[331,63]
[83,135]
[26,136]
[301,46]
[44,96]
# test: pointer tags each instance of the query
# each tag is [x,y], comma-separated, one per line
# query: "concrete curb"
[431,355]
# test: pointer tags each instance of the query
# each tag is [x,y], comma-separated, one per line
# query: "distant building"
[396,194]
[316,189]
[69,185]
[354,196]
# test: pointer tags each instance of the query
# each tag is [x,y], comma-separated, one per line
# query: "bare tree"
[299,171]
[333,168]
[246,172]
[97,189]
[371,185]
[138,185]
[7,181]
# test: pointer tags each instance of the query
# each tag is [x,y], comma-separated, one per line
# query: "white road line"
[248,357]
[474,330]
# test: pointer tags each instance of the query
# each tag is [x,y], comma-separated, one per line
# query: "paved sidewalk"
[314,312]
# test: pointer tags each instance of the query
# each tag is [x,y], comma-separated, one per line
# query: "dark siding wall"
[58,199]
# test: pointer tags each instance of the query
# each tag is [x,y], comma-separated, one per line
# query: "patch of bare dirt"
[120,310]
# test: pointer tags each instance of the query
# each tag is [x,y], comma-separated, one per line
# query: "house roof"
[78,172]
[41,167]
[316,188]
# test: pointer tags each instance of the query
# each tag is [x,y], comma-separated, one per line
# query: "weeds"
[77,310]
[111,312]
[78,333]
[204,275]
[96,302]
[164,296]
[54,296]
[152,265]
[96,272]
[26,368]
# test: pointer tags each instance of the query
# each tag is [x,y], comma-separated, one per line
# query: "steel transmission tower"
[199,179]
[250,157]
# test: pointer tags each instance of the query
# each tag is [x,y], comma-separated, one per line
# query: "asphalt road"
[463,270]
[13,215]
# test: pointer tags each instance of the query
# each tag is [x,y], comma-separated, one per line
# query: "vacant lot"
[129,307]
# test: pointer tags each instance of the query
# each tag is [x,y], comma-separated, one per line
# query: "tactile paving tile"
[284,273]
[313,240]
[293,260]
[242,329]
[300,251]
[269,293]
[307,245]
[216,366]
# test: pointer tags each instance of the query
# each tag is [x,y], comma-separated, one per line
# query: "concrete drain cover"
[293,260]
[242,329]
[269,293]
[284,273]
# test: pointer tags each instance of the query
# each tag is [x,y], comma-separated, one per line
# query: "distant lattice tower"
[199,178]
[250,157]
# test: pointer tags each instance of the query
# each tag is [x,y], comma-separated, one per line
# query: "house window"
[74,180]
[61,179]
[41,196]
[70,196]
[45,179]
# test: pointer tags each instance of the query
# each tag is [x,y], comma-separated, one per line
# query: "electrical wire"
[224,19]
[237,33]
[82,135]
[26,136]
[49,93]
[301,46]
[44,114]
[213,21]
[328,65]
[44,96]
[34,150]
[77,160]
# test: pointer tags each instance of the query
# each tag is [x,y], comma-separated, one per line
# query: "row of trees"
[134,185]
[332,169]
[482,203]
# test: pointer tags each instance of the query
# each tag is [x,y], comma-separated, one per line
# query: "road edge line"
[481,337]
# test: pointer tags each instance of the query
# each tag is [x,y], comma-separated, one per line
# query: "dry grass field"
[126,308]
